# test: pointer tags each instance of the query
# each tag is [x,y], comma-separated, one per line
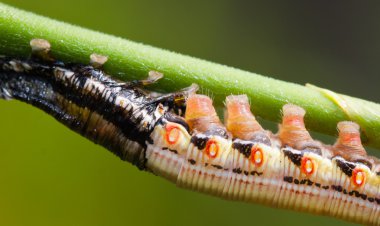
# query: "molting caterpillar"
[180,137]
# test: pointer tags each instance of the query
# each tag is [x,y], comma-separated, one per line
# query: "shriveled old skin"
[237,160]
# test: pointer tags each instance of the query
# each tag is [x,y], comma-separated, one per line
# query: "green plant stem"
[129,60]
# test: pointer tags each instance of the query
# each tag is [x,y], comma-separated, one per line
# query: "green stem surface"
[129,60]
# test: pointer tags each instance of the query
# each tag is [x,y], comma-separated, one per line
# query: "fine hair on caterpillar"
[179,136]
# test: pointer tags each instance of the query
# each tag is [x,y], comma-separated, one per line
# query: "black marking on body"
[243,148]
[240,171]
[296,158]
[297,181]
[199,142]
[307,182]
[192,161]
[336,188]
[353,193]
[253,173]
[174,151]
[288,179]
[237,170]
[217,166]
[346,167]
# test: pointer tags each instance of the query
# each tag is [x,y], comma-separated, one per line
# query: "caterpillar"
[179,136]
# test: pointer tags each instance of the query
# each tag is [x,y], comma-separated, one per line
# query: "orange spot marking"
[358,177]
[172,134]
[257,156]
[307,166]
[212,148]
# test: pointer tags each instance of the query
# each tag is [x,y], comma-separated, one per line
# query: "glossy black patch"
[296,158]
[346,167]
[199,142]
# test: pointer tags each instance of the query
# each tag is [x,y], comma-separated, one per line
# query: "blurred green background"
[52,176]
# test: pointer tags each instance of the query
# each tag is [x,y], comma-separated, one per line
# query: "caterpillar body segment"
[180,137]
[286,172]
[255,172]
[207,165]
[165,157]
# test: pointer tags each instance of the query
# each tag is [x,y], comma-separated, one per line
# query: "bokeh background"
[52,176]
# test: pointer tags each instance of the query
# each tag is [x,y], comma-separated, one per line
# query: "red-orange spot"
[212,148]
[257,156]
[358,177]
[172,134]
[307,166]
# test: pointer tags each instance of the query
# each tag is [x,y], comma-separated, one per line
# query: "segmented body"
[243,162]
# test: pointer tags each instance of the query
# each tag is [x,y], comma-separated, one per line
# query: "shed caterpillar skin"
[236,160]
